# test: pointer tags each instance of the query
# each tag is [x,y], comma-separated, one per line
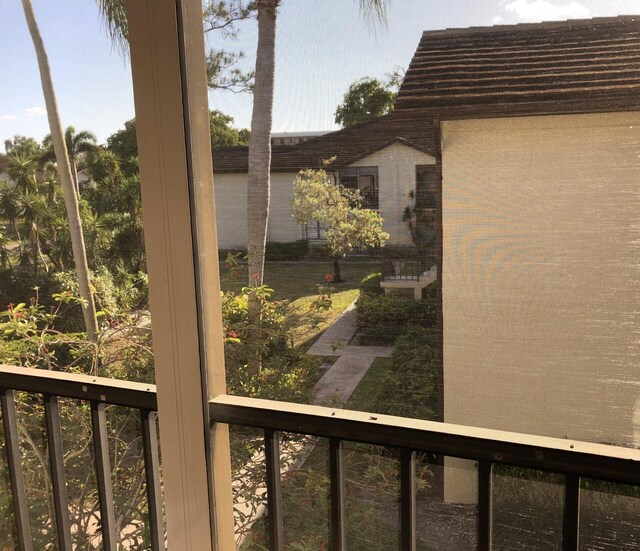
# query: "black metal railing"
[99,392]
[406,263]
[574,460]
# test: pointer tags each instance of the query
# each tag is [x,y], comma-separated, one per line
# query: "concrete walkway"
[340,381]
[337,336]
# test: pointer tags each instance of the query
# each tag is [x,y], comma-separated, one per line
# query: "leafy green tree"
[223,134]
[349,227]
[22,144]
[123,143]
[365,100]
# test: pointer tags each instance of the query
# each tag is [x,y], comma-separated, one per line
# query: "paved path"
[337,335]
[340,381]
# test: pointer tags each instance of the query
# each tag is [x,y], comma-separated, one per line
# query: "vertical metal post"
[152,474]
[336,477]
[274,490]
[407,500]
[485,505]
[12,444]
[56,464]
[103,475]
[571,517]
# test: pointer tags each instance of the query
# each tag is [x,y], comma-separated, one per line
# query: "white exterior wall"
[396,179]
[231,210]
[541,277]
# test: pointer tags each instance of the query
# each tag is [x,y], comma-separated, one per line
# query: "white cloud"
[497,20]
[546,10]
[8,117]
[35,112]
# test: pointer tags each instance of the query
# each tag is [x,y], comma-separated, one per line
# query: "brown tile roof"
[347,145]
[577,66]
[489,70]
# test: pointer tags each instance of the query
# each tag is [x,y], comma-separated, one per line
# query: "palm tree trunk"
[74,173]
[64,173]
[258,186]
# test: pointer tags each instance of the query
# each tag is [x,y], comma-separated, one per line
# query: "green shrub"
[393,310]
[414,376]
[320,251]
[371,284]
[274,251]
[293,250]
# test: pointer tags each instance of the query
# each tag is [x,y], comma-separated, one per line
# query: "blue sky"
[322,46]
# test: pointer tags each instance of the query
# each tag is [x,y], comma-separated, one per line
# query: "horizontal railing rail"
[488,447]
[99,392]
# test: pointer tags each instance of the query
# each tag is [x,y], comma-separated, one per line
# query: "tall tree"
[365,100]
[64,174]
[258,183]
[77,143]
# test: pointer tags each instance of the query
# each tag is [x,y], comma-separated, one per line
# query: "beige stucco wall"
[397,177]
[541,275]
[231,210]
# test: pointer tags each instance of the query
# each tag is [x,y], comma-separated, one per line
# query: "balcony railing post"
[14,460]
[152,477]
[274,490]
[407,500]
[571,516]
[485,505]
[336,478]
[56,465]
[103,475]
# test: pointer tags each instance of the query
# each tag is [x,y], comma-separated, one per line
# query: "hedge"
[413,379]
[373,310]
[371,284]
[275,251]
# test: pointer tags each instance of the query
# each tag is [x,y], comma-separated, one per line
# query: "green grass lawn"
[371,392]
[293,280]
[297,284]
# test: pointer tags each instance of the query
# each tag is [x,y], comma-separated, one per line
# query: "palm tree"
[10,206]
[64,175]
[5,256]
[33,209]
[258,184]
[77,144]
[22,171]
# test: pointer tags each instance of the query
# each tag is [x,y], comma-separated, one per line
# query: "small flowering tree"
[349,227]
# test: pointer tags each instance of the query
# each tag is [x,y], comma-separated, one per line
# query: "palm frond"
[114,17]
[374,11]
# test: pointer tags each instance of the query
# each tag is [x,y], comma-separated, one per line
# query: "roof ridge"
[454,31]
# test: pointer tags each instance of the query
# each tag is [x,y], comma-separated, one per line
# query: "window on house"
[426,187]
[365,179]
